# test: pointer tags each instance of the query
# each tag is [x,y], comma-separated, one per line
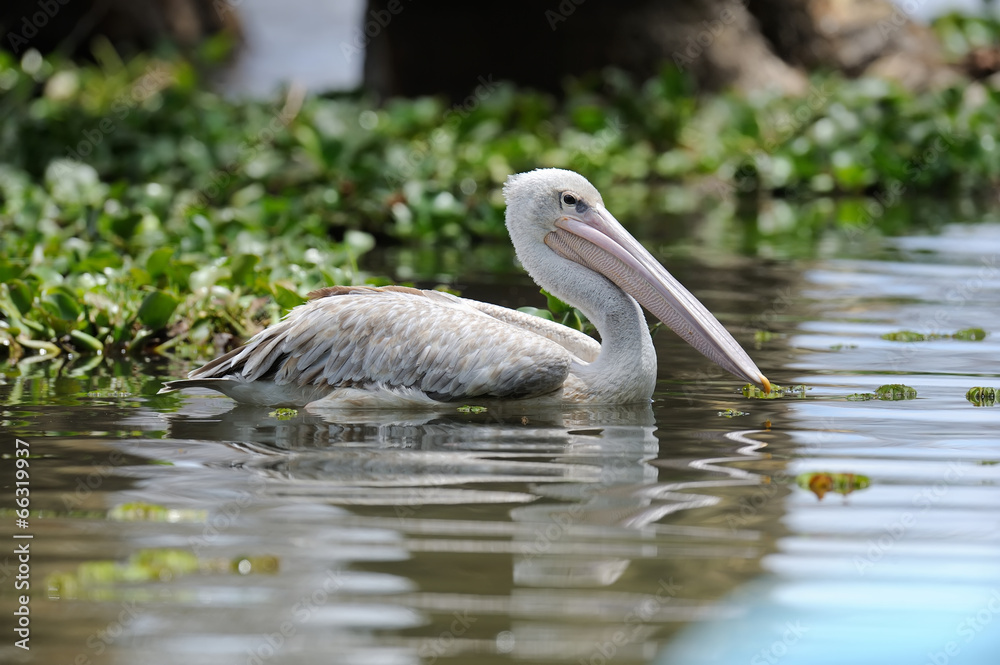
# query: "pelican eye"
[569,199]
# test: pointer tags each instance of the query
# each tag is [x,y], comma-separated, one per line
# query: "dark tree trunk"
[450,46]
[131,25]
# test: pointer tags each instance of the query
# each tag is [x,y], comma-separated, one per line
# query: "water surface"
[704,528]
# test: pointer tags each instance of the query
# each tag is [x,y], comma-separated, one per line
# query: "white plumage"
[397,346]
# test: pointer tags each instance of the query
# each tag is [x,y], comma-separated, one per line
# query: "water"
[179,529]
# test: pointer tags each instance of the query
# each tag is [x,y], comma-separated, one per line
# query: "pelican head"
[558,223]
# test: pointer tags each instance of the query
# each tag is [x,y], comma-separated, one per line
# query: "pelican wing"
[582,346]
[398,338]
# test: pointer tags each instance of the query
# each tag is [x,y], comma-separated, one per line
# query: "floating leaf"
[821,482]
[751,391]
[966,334]
[904,336]
[981,396]
[151,512]
[895,391]
[261,565]
[970,334]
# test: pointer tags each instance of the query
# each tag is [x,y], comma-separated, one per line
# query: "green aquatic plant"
[966,334]
[969,334]
[751,391]
[148,512]
[905,336]
[895,391]
[822,482]
[888,392]
[982,396]
[140,211]
[92,578]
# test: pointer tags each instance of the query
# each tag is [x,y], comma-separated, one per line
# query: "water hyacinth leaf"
[534,311]
[573,319]
[981,396]
[21,294]
[9,270]
[242,268]
[821,482]
[62,303]
[904,336]
[555,305]
[286,297]
[966,334]
[970,334]
[751,391]
[46,348]
[86,341]
[895,391]
[159,261]
[156,309]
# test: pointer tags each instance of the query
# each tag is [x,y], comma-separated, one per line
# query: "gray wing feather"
[363,336]
[582,346]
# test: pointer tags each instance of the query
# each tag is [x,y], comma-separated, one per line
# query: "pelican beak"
[592,237]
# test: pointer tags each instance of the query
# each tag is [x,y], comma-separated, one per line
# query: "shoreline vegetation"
[143,213]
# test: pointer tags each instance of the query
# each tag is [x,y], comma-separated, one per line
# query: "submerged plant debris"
[966,334]
[982,396]
[890,391]
[822,482]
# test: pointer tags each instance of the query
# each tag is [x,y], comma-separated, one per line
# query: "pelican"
[351,346]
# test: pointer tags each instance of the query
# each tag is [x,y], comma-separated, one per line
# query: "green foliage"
[140,211]
[561,313]
[959,34]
